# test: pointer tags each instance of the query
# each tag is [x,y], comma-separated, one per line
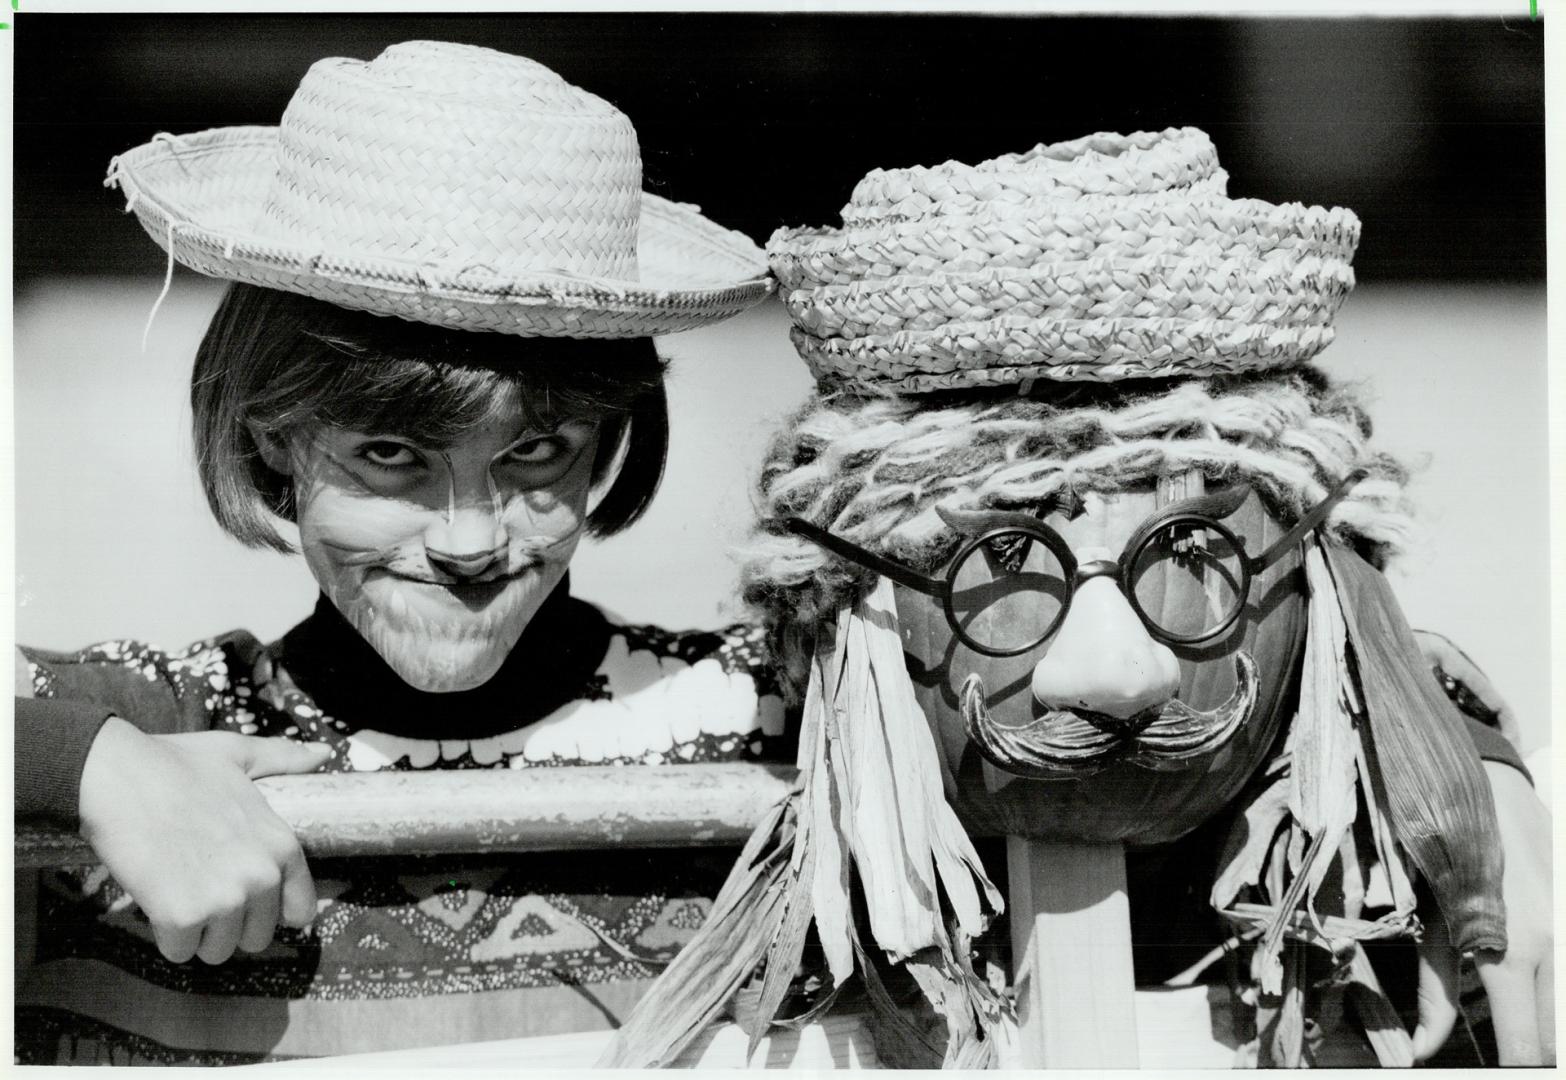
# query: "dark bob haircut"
[286,362]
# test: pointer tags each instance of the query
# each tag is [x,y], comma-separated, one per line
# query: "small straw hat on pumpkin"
[446,184]
[1108,257]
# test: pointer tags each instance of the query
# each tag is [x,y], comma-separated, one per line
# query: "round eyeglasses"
[1008,588]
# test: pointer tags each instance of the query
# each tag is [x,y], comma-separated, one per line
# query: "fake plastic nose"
[1101,658]
[467,544]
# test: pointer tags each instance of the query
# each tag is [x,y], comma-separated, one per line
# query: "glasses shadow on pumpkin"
[945,679]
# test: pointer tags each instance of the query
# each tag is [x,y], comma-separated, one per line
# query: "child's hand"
[180,825]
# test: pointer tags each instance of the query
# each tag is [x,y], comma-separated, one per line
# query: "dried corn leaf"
[1249,840]
[957,864]
[1332,932]
[783,956]
[869,792]
[829,876]
[1353,874]
[1283,1041]
[970,1008]
[943,989]
[900,1043]
[1272,940]
[721,956]
[810,1015]
[1388,875]
[889,840]
[1383,1026]
[969,1055]
[1322,788]
[1437,796]
[903,835]
[1275,871]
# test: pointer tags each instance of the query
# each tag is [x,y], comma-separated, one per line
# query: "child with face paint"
[436,361]
[1072,497]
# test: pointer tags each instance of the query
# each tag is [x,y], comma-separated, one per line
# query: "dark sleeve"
[1493,746]
[52,741]
[74,694]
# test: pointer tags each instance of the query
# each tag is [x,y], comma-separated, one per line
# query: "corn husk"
[829,878]
[1321,773]
[1321,807]
[1379,779]
[1438,799]
[891,817]
[901,1043]
[1321,790]
[868,805]
[1280,1017]
[904,836]
[1393,1046]
[720,958]
[1254,833]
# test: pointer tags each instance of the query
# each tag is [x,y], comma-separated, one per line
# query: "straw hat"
[1109,257]
[447,184]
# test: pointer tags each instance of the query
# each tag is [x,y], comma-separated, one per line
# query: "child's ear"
[273,449]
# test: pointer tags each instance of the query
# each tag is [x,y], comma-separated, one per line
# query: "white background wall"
[113,537]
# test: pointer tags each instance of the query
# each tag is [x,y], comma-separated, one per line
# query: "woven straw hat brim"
[200,195]
[1011,349]
[1080,230]
[1191,286]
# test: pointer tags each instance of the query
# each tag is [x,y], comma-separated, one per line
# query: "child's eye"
[388,455]
[540,451]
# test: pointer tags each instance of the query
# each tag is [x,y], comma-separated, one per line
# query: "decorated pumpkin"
[1108,782]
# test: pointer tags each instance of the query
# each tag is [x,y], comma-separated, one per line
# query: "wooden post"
[1071,951]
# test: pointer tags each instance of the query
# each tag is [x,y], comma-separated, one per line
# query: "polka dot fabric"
[549,943]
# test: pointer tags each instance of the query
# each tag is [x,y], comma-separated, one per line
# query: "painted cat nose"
[464,566]
[1102,658]
[466,544]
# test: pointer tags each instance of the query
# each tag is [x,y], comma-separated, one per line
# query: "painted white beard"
[442,654]
[436,665]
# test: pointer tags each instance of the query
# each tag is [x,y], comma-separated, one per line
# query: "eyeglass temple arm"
[1308,522]
[855,554]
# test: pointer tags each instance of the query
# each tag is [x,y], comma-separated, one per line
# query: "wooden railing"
[596,808]
[501,810]
[493,810]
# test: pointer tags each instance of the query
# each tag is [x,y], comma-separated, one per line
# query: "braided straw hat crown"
[1108,257]
[446,184]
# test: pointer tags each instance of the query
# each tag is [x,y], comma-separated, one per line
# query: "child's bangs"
[428,403]
[392,384]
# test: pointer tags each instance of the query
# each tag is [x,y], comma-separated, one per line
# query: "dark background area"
[1432,130]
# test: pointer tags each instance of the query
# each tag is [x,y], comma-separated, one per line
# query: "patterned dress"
[412,951]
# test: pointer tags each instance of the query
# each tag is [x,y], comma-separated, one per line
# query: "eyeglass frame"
[1197,510]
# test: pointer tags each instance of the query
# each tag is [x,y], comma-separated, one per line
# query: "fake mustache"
[1065,743]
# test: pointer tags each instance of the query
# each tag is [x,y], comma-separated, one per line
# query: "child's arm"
[170,808]
[180,825]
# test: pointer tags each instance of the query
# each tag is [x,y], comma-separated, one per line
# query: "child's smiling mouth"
[480,594]
[473,595]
